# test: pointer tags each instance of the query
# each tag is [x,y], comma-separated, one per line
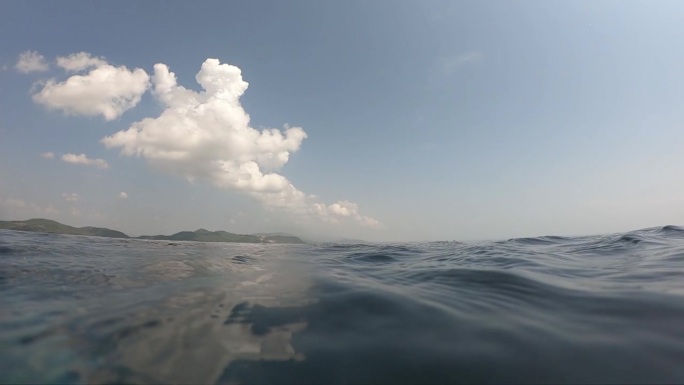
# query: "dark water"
[604,309]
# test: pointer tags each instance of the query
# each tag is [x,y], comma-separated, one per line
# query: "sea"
[591,309]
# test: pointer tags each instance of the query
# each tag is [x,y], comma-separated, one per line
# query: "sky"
[380,120]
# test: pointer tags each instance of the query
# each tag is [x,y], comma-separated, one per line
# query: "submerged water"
[606,309]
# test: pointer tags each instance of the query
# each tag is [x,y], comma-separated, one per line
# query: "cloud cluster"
[105,90]
[84,160]
[202,135]
[31,61]
[206,135]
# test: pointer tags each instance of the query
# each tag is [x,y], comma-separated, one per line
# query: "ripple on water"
[604,309]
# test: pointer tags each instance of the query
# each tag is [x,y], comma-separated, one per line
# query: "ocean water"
[599,309]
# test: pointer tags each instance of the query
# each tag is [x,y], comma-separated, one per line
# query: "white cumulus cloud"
[79,61]
[206,135]
[31,61]
[84,160]
[48,155]
[343,209]
[105,90]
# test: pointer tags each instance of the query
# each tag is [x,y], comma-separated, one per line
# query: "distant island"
[48,226]
[201,235]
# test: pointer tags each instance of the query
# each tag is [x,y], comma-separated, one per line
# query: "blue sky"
[423,120]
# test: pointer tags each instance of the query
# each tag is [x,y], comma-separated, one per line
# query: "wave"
[548,309]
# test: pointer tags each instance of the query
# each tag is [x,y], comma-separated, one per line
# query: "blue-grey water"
[599,309]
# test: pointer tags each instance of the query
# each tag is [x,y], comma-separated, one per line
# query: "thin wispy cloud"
[454,63]
[123,195]
[47,155]
[88,214]
[73,197]
[82,159]
[23,208]
[31,61]
[14,202]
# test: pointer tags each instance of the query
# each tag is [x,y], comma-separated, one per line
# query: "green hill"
[48,226]
[201,235]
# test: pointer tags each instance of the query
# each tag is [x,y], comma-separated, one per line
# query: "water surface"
[549,309]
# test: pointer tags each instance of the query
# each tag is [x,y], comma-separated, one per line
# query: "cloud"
[48,155]
[206,136]
[105,90]
[453,63]
[70,197]
[79,61]
[123,195]
[84,160]
[31,61]
[343,209]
